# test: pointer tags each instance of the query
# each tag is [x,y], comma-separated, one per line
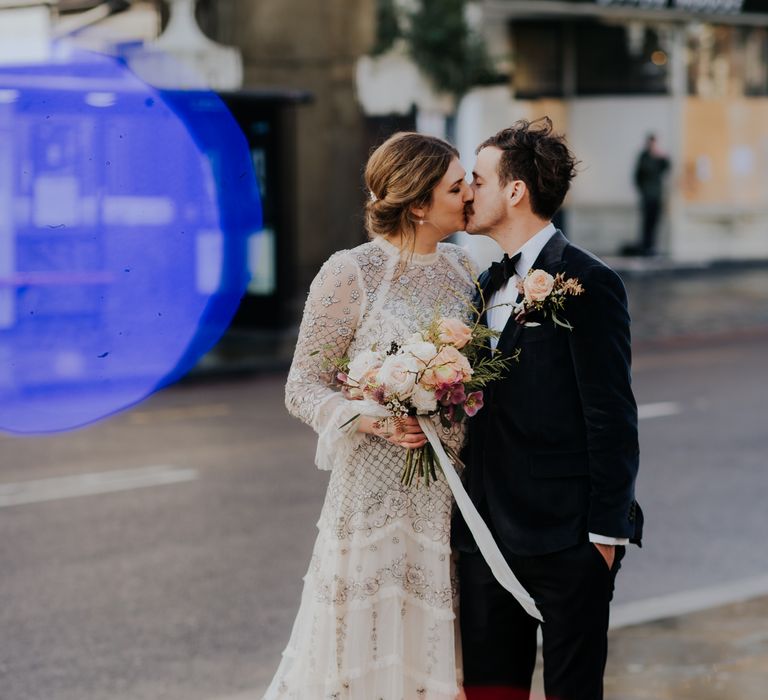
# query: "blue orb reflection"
[124,217]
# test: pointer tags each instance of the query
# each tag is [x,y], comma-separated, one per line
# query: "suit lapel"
[551,256]
[509,335]
[484,281]
[550,259]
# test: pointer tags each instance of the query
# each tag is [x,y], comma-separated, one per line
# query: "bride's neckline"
[392,249]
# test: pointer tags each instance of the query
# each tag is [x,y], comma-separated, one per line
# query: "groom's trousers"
[572,589]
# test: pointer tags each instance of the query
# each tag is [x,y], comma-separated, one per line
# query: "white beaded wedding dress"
[377,614]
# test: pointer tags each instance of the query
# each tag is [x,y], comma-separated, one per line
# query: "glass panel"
[725,61]
[756,61]
[716,61]
[537,51]
[262,252]
[619,59]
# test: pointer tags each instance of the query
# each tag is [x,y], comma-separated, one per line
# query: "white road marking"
[685,602]
[55,488]
[658,410]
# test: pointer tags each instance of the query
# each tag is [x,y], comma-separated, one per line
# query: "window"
[616,59]
[537,50]
[755,61]
[727,61]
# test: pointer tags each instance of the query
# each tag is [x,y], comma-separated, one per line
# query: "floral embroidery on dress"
[381,572]
[411,578]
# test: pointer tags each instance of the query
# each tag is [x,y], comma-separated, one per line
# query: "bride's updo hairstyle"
[401,174]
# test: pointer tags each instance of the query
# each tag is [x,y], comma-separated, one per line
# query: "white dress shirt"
[500,309]
[500,303]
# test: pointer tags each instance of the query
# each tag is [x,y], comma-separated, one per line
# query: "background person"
[649,175]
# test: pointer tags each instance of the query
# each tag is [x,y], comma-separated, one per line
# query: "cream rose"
[449,367]
[362,364]
[414,338]
[454,332]
[423,399]
[423,351]
[538,285]
[398,375]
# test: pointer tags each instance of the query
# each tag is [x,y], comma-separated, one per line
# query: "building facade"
[312,47]
[693,72]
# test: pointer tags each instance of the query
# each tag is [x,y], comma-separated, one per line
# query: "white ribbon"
[485,542]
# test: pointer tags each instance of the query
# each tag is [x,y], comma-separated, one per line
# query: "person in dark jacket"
[649,176]
[552,458]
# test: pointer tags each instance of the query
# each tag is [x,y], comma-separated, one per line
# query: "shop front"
[610,72]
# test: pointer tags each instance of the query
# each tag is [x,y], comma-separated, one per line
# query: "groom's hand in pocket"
[607,551]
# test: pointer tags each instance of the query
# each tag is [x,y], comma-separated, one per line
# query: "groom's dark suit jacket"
[553,454]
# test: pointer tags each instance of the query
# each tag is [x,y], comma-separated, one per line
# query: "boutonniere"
[546,294]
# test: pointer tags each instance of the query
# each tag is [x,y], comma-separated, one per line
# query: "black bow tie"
[499,274]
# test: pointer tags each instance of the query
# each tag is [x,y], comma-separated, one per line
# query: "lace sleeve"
[331,314]
[467,263]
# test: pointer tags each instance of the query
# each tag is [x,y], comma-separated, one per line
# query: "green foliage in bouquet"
[441,371]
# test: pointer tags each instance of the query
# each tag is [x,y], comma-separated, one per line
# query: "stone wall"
[313,46]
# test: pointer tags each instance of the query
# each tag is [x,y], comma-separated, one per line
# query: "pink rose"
[351,390]
[538,285]
[449,367]
[370,386]
[453,332]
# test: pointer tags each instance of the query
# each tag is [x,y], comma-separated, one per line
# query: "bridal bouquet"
[438,371]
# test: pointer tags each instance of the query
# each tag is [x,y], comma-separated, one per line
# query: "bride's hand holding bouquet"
[438,371]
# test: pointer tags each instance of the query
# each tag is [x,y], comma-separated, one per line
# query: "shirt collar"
[533,246]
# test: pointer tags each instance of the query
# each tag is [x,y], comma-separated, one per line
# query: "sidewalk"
[668,301]
[719,654]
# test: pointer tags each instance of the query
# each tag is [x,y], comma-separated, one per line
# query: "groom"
[552,457]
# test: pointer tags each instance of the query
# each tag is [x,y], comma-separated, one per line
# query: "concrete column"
[25,34]
[312,46]
[678,89]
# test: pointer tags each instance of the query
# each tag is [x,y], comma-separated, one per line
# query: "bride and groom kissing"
[398,601]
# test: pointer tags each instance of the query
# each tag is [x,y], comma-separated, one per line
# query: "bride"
[376,620]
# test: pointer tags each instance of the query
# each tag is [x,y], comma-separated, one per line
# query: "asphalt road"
[159,554]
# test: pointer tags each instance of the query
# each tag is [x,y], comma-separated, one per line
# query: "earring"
[421,222]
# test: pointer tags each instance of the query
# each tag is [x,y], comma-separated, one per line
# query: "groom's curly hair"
[533,153]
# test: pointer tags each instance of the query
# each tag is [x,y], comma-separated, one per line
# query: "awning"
[749,12]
